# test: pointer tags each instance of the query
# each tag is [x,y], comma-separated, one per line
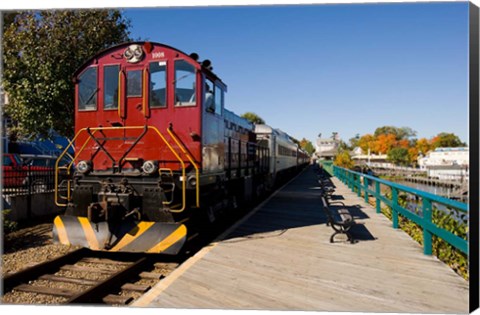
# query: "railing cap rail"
[438,199]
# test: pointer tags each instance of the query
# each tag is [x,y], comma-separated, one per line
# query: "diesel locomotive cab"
[154,147]
[137,153]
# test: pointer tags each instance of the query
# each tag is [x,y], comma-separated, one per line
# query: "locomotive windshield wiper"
[182,77]
[91,96]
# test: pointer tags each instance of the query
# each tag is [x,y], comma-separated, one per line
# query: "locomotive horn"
[194,56]
[206,63]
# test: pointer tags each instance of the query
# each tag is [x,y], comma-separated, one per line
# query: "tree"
[307,146]
[447,140]
[366,142]
[413,155]
[354,141]
[41,51]
[400,133]
[343,159]
[423,146]
[384,143]
[399,156]
[253,118]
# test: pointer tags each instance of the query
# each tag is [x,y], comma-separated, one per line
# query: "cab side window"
[184,83]
[218,100]
[88,89]
[209,103]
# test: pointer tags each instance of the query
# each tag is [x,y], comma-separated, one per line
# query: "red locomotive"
[154,147]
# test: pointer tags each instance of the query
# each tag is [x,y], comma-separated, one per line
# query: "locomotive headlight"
[133,53]
[192,181]
[150,167]
[84,166]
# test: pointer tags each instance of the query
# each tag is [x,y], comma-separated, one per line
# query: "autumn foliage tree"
[400,146]
[343,159]
[41,51]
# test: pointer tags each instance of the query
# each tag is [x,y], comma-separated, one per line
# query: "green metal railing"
[327,165]
[370,185]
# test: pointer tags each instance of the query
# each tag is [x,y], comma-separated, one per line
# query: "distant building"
[445,156]
[372,160]
[327,148]
[446,163]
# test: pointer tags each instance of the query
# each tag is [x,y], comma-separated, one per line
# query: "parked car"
[20,173]
[14,173]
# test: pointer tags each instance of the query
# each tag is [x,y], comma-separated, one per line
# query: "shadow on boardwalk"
[297,205]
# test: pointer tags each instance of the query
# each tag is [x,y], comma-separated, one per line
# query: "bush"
[8,226]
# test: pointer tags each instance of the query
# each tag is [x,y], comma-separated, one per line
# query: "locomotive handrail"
[68,167]
[145,93]
[197,172]
[116,128]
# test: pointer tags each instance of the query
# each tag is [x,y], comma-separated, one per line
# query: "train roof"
[263,128]
[108,50]
[240,121]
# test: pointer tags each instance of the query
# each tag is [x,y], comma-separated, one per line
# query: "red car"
[14,173]
[17,174]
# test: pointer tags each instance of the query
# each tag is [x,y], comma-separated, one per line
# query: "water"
[437,190]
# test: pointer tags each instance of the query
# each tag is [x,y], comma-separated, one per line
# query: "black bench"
[326,186]
[341,220]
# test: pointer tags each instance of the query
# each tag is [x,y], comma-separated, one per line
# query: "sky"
[316,69]
[346,68]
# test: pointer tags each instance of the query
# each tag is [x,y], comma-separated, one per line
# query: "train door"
[133,109]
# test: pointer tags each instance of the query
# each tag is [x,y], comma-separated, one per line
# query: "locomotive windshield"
[158,84]
[87,90]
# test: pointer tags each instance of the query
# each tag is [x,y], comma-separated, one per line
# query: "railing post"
[427,217]
[394,207]
[359,185]
[351,180]
[377,196]
[365,186]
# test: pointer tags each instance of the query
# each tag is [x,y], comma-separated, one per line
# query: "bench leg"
[349,236]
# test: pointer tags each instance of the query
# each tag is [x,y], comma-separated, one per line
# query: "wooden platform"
[280,258]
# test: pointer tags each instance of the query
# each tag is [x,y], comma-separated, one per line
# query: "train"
[155,148]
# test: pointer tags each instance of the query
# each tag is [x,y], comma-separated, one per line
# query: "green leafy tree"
[354,141]
[41,51]
[399,156]
[447,140]
[253,118]
[400,133]
[307,146]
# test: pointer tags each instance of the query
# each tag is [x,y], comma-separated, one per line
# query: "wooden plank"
[280,258]
[116,299]
[68,280]
[151,275]
[136,287]
[87,269]
[45,290]
[165,265]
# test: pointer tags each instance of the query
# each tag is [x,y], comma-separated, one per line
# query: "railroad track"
[88,277]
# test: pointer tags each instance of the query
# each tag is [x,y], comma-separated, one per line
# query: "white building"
[446,163]
[445,156]
[327,148]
